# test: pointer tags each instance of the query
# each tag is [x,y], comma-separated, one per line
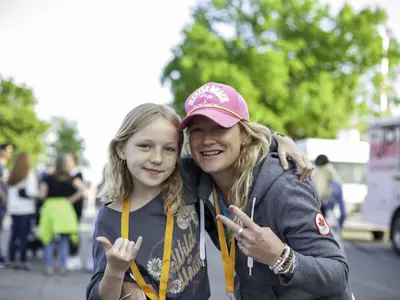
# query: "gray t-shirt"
[188,278]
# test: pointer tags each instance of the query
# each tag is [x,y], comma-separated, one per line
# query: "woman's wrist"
[284,263]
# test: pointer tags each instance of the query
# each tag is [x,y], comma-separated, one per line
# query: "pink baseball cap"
[218,102]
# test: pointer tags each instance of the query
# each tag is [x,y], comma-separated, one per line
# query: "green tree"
[67,139]
[303,70]
[18,121]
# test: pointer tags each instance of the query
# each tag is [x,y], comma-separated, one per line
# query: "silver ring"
[240,231]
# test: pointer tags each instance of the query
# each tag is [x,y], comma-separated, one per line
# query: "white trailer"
[382,204]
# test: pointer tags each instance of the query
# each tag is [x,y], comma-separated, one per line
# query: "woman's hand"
[287,148]
[120,255]
[259,243]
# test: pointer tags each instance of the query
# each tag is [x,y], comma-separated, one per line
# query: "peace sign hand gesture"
[120,255]
[259,243]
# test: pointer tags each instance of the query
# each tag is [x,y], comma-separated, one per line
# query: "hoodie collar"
[204,187]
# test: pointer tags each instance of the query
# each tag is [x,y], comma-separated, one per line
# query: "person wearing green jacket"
[58,220]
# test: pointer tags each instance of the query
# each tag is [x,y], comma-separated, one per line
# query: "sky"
[93,61]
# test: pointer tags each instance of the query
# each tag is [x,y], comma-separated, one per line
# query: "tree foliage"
[303,70]
[67,139]
[19,124]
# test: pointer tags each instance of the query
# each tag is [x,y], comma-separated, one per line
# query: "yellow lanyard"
[166,255]
[228,259]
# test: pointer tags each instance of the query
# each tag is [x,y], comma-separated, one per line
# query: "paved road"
[374,275]
[374,270]
[18,285]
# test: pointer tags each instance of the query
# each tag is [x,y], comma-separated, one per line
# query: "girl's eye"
[170,149]
[144,146]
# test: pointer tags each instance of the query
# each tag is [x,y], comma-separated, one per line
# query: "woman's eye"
[194,129]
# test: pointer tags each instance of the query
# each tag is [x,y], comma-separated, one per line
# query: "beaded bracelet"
[289,266]
[285,262]
[281,258]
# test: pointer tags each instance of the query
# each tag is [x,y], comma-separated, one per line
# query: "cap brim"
[222,118]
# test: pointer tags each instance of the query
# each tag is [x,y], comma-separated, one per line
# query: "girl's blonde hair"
[254,149]
[118,183]
[322,177]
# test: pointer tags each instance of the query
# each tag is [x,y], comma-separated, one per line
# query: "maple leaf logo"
[321,222]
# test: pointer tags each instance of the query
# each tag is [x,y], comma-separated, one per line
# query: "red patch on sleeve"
[322,225]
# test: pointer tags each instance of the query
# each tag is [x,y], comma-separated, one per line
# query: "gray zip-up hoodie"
[288,206]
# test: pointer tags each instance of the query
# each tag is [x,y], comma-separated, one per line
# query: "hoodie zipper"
[250,261]
[203,228]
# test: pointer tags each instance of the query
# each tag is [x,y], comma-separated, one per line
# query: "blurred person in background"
[22,194]
[49,169]
[328,187]
[6,151]
[34,243]
[58,220]
[74,261]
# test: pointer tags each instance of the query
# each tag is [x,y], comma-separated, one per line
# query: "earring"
[123,161]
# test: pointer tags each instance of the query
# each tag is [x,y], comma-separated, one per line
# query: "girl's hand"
[120,255]
[287,148]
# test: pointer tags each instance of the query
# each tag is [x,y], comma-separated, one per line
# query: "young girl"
[143,185]
[146,197]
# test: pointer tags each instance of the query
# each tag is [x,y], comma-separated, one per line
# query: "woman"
[58,220]
[328,187]
[286,250]
[21,208]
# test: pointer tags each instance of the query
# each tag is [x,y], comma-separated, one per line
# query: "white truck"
[350,158]
[382,203]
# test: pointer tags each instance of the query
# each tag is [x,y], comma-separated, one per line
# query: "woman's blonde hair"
[254,149]
[322,178]
[118,183]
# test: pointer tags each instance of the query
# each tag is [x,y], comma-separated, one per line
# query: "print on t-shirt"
[185,256]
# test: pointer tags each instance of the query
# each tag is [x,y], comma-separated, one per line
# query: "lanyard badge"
[166,255]
[228,257]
